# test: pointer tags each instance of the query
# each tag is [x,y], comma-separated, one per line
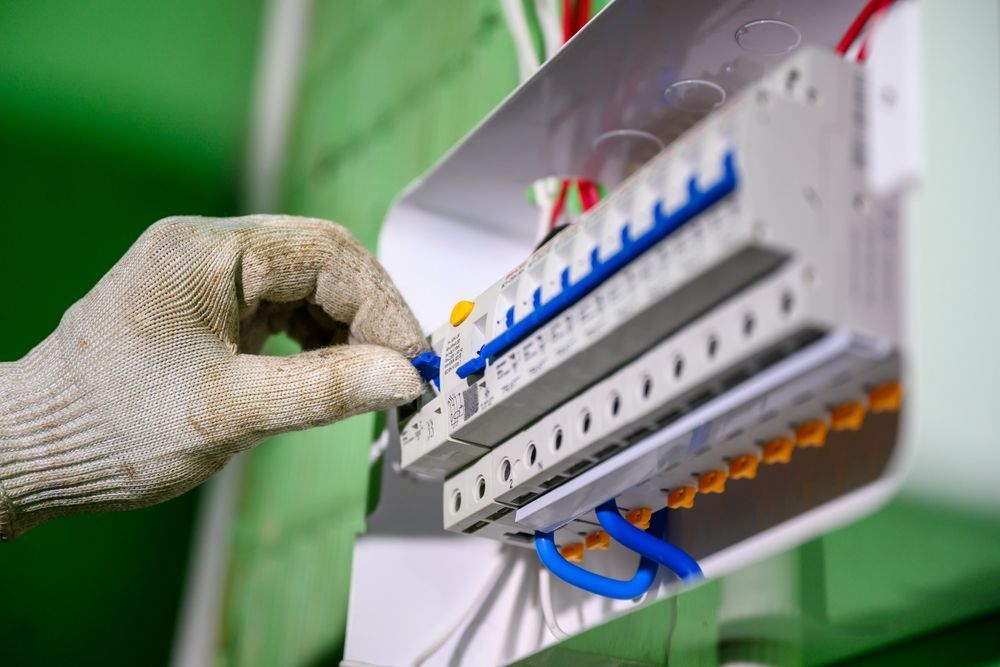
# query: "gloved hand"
[151,382]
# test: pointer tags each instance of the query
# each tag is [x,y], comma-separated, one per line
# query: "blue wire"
[645,573]
[649,546]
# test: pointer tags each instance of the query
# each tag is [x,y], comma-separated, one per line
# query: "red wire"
[859,24]
[567,20]
[575,15]
[582,14]
[560,202]
[863,51]
[589,195]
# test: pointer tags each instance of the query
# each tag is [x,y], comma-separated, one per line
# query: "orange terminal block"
[847,416]
[778,450]
[744,467]
[713,481]
[572,552]
[681,497]
[639,517]
[885,397]
[598,539]
[811,433]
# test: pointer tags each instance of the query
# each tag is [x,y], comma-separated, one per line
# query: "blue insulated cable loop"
[597,584]
[664,224]
[649,546]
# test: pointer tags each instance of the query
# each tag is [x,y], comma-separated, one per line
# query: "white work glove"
[151,382]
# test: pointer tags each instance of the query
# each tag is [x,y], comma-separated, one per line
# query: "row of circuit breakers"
[730,307]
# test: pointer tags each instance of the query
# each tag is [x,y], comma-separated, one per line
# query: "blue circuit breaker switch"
[428,365]
[664,224]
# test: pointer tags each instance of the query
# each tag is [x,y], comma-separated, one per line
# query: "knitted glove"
[151,382]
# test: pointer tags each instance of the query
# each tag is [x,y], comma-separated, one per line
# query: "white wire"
[545,596]
[460,619]
[378,447]
[855,48]
[551,25]
[517,23]
[544,200]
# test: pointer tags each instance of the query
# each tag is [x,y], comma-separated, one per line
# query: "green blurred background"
[116,113]
[113,114]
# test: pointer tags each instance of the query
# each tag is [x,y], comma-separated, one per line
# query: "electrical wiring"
[559,204]
[527,58]
[543,201]
[545,598]
[858,25]
[379,447]
[876,19]
[568,14]
[582,15]
[530,11]
[649,546]
[548,553]
[460,619]
[549,22]
[589,194]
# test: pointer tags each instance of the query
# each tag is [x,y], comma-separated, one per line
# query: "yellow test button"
[461,311]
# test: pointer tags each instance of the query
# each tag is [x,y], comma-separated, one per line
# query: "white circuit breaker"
[730,307]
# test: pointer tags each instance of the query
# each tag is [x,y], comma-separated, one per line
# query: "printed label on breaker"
[562,331]
[533,353]
[506,370]
[470,402]
[452,354]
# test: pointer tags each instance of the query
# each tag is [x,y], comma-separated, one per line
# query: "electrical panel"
[723,324]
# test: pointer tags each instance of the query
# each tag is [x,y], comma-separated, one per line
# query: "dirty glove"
[151,382]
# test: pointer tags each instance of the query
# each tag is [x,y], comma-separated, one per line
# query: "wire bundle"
[871,12]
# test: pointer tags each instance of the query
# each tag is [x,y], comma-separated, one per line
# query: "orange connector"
[640,517]
[885,397]
[744,467]
[847,416]
[572,552]
[811,433]
[598,539]
[681,497]
[713,481]
[778,450]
